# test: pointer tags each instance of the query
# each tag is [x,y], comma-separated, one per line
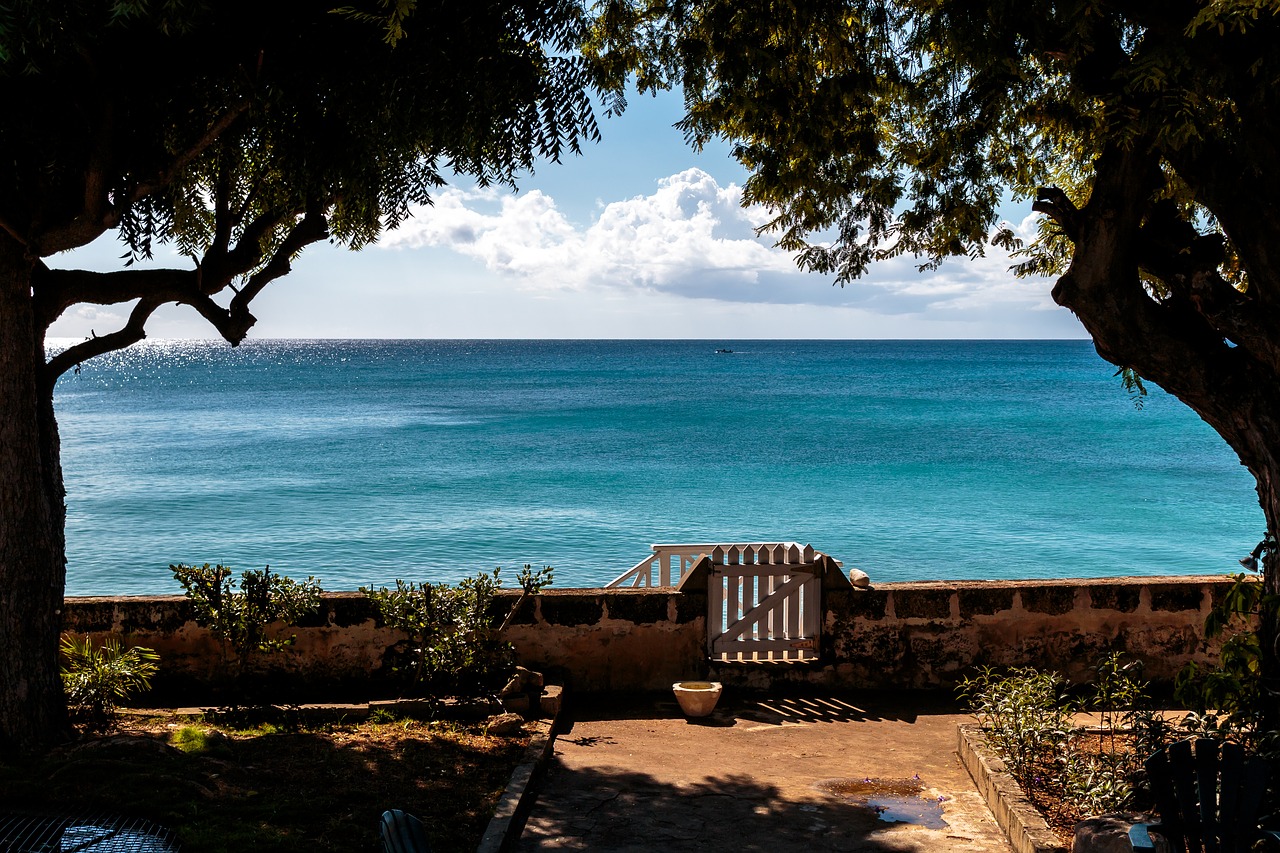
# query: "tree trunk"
[1232,389]
[32,523]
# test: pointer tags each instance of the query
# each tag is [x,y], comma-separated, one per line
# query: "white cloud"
[688,229]
[692,238]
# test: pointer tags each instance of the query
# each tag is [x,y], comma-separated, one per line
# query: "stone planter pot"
[697,698]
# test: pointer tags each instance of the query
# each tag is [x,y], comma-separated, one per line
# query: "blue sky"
[641,237]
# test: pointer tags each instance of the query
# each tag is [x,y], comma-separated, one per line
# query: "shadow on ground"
[798,707]
[611,809]
[287,792]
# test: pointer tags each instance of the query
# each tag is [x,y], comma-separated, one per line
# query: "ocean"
[360,462]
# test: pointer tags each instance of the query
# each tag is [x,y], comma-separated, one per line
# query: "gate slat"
[715,611]
[794,628]
[734,598]
[773,618]
[810,610]
[781,598]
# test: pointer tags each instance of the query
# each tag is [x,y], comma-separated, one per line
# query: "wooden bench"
[1207,795]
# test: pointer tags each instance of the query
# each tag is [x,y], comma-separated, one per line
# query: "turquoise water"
[364,461]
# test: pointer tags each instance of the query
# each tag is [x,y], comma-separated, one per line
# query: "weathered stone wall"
[907,635]
[929,635]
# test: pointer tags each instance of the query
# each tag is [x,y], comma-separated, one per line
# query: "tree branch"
[132,332]
[57,290]
[100,216]
[312,228]
[1055,204]
[1170,345]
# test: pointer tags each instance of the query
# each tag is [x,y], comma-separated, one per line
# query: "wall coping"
[889,586]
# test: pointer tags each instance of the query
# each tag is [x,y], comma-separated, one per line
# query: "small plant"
[452,644]
[1097,783]
[1025,715]
[240,613]
[190,739]
[97,678]
[1121,698]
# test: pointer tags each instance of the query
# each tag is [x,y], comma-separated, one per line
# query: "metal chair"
[403,833]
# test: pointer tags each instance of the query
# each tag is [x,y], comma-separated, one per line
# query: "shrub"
[1025,715]
[1227,700]
[97,678]
[240,613]
[452,644]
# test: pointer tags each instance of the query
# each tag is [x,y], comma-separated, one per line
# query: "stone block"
[1051,600]
[529,680]
[551,700]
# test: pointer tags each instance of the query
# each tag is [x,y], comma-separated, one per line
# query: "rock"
[505,725]
[530,681]
[1109,833]
[513,687]
[859,578]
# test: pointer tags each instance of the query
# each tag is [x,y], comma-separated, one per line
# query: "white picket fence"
[763,598]
[669,563]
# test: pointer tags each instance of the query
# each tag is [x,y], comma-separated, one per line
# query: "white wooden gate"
[763,613]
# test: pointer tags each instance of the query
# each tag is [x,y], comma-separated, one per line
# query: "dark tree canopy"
[1145,131]
[239,132]
[242,131]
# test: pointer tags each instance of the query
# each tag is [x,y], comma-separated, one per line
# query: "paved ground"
[777,775]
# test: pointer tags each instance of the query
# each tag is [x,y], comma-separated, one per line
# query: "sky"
[641,237]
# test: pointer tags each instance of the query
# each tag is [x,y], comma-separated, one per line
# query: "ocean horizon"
[364,461]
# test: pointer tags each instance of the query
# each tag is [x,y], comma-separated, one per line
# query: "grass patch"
[276,789]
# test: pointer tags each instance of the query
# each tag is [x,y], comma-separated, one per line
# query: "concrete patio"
[760,774]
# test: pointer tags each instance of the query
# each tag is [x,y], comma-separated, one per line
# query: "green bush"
[97,678]
[1025,715]
[452,645]
[240,613]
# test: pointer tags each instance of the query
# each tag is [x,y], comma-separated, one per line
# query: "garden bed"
[278,785]
[1041,820]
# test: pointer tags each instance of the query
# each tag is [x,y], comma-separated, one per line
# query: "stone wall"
[895,635]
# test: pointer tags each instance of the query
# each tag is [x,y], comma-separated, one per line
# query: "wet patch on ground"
[892,800]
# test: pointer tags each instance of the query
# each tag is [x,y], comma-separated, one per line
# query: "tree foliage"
[877,128]
[241,614]
[451,643]
[98,677]
[240,132]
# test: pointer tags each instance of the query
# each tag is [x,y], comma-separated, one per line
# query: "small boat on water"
[723,351]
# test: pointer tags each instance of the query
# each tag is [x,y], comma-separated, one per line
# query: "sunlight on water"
[363,461]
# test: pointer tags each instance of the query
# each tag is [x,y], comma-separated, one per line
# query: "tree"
[240,132]
[1146,131]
